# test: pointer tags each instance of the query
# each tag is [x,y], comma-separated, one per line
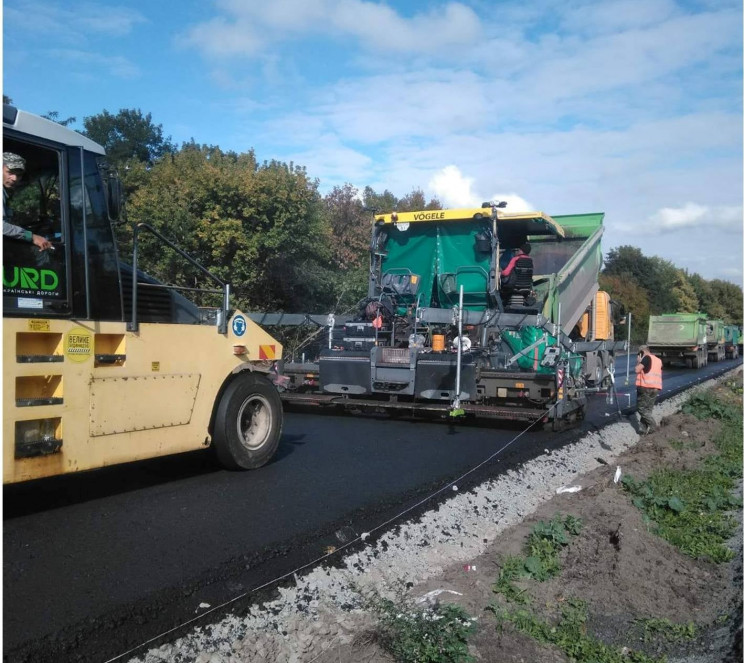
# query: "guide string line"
[362,537]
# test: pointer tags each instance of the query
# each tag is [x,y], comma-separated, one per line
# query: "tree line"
[264,227]
[651,286]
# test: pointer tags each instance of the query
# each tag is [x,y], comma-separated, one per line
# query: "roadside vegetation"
[568,631]
[692,509]
[541,560]
[415,634]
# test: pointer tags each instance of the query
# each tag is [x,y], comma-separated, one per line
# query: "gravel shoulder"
[453,554]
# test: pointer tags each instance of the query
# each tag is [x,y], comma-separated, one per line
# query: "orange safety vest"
[652,379]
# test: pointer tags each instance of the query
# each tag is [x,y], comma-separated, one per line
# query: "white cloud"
[245,28]
[222,38]
[514,203]
[600,17]
[72,22]
[694,214]
[379,28]
[428,103]
[453,189]
[570,68]
[90,63]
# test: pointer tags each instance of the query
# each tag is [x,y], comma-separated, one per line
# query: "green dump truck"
[679,337]
[443,331]
[732,335]
[716,334]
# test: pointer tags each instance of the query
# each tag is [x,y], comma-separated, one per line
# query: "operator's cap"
[13,161]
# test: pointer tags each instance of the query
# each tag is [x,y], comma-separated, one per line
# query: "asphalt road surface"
[99,563]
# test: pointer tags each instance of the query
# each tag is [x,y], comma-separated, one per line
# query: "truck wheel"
[248,423]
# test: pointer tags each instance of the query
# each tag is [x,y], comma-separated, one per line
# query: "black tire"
[248,423]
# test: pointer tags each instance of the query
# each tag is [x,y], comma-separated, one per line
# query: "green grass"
[666,629]
[692,509]
[707,405]
[569,635]
[412,634]
[541,561]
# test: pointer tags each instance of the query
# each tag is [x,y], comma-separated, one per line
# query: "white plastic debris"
[618,474]
[568,489]
[454,488]
[434,593]
[364,536]
[205,605]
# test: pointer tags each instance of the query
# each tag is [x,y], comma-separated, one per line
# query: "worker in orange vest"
[648,388]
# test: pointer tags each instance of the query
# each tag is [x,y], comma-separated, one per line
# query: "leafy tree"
[661,286]
[729,298]
[128,135]
[386,202]
[379,203]
[667,287]
[7,100]
[259,228]
[351,226]
[684,293]
[417,201]
[721,300]
[629,260]
[703,292]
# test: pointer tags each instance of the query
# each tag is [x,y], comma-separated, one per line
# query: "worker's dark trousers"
[645,400]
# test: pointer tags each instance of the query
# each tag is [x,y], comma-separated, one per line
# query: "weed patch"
[412,634]
[569,635]
[706,405]
[669,631]
[692,509]
[541,561]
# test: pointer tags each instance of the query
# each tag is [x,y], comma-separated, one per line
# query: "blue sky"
[631,107]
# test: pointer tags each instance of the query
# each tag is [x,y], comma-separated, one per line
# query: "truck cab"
[104,364]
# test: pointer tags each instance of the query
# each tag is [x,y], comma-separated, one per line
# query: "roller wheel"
[248,423]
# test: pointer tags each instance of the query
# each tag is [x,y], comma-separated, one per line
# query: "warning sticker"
[78,344]
[267,352]
[39,325]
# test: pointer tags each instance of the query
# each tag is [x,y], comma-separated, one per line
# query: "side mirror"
[115,196]
[114,193]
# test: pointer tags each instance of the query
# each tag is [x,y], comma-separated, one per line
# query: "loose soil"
[616,564]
